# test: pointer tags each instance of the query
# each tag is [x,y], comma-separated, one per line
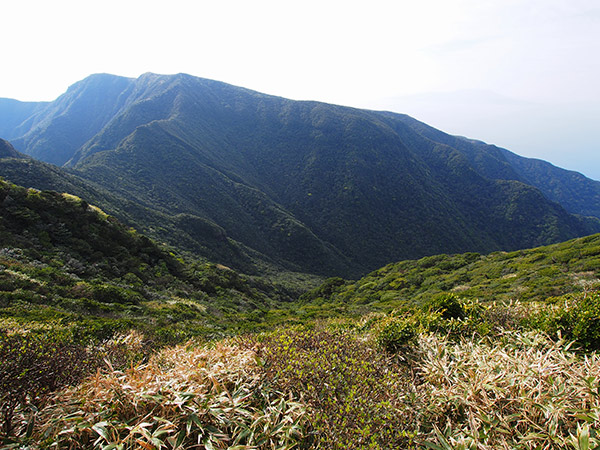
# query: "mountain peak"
[98,81]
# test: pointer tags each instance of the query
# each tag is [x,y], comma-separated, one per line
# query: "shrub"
[356,396]
[575,316]
[447,304]
[107,293]
[33,365]
[510,315]
[586,323]
[396,334]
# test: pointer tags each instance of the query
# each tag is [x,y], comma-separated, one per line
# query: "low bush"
[396,334]
[447,304]
[575,316]
[33,365]
[356,396]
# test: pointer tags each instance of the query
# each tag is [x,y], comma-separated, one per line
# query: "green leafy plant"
[349,386]
[396,334]
[574,316]
[449,305]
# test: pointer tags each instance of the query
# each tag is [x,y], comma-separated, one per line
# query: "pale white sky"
[373,54]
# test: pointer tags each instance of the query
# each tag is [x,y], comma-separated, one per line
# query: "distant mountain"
[62,126]
[564,132]
[575,192]
[17,118]
[315,187]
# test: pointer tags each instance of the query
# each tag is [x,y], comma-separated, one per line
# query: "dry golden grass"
[184,397]
[516,390]
[520,391]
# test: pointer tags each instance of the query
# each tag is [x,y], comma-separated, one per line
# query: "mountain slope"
[316,187]
[187,232]
[578,194]
[575,192]
[17,118]
[525,275]
[66,124]
[66,264]
[8,151]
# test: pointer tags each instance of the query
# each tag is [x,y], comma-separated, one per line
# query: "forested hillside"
[520,276]
[305,186]
[64,261]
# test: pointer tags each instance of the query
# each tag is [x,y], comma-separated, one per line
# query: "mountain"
[66,263]
[575,192]
[62,126]
[16,118]
[315,187]
[578,194]
[564,132]
[190,233]
[8,151]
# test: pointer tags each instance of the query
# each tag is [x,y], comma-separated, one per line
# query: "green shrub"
[586,323]
[107,293]
[396,334]
[448,305]
[350,388]
[575,316]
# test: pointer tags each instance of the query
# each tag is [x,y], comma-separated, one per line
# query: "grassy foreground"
[450,375]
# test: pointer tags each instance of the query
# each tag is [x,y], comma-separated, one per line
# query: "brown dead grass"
[520,391]
[184,397]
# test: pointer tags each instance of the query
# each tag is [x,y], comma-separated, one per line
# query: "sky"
[521,74]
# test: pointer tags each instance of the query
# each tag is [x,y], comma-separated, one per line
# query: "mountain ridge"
[573,190]
[317,187]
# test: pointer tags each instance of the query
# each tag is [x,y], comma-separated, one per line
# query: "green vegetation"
[578,194]
[67,263]
[109,340]
[190,234]
[333,384]
[514,389]
[253,181]
[524,275]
